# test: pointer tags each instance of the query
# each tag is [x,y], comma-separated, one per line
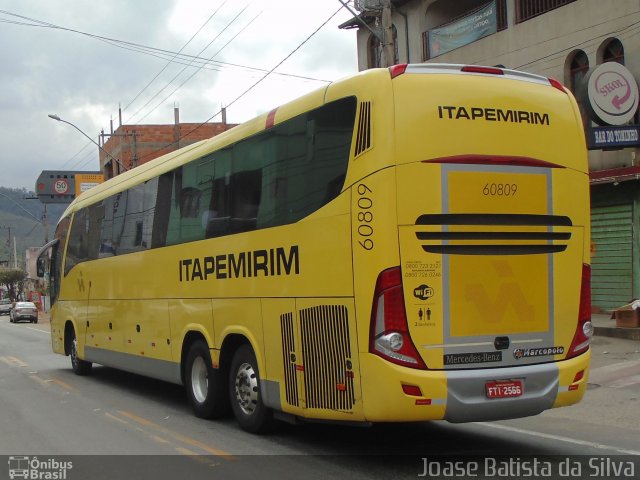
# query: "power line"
[216,65]
[84,160]
[197,71]
[77,153]
[170,61]
[175,56]
[590,42]
[194,72]
[252,86]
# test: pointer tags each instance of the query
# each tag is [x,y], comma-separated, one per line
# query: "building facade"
[132,145]
[567,40]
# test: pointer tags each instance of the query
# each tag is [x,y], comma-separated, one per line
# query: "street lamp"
[42,221]
[57,118]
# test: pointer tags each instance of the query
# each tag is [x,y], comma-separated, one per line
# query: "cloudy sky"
[80,59]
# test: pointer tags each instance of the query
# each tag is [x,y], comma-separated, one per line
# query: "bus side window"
[190,202]
[162,211]
[77,250]
[96,217]
[41,266]
[57,253]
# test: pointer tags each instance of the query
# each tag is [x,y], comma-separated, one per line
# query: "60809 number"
[365,217]
[500,189]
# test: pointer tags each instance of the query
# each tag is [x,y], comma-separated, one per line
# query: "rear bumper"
[459,395]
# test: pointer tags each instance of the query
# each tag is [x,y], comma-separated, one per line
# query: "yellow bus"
[405,244]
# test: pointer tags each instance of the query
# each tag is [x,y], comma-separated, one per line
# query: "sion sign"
[613,94]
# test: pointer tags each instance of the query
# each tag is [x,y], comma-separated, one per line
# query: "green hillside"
[22,219]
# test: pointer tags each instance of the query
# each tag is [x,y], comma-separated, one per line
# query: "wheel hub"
[199,380]
[246,388]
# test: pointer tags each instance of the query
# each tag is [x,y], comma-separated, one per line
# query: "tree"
[13,281]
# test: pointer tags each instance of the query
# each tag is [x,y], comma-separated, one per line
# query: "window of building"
[374,52]
[527,9]
[611,51]
[375,49]
[578,67]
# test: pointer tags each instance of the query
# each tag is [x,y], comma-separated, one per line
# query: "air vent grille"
[289,358]
[328,375]
[363,137]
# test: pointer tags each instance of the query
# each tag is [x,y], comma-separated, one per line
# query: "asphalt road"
[143,428]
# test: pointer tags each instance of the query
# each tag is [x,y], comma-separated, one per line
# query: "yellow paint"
[498,295]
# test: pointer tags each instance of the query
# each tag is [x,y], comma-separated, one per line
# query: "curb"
[616,332]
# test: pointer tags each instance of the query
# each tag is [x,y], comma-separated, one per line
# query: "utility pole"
[45,224]
[9,246]
[388,44]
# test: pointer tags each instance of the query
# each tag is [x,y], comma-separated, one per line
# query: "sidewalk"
[605,326]
[44,318]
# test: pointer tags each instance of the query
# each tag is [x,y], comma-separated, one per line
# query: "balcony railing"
[527,9]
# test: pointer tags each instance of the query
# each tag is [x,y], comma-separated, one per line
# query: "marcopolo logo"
[38,469]
[519,353]
[612,93]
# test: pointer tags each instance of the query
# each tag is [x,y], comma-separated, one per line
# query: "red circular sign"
[61,186]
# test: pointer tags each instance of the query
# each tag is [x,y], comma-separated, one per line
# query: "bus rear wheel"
[244,390]
[205,384]
[79,366]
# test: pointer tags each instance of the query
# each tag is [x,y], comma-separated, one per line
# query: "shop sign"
[463,31]
[603,138]
[612,93]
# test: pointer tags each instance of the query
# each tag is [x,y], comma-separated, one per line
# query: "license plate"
[504,389]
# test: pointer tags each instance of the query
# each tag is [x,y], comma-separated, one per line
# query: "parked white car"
[5,306]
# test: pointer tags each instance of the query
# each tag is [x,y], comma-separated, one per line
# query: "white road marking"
[38,330]
[560,438]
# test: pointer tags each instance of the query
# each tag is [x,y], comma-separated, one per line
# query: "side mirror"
[41,266]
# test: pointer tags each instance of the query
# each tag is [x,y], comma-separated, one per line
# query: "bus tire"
[244,390]
[79,366]
[205,385]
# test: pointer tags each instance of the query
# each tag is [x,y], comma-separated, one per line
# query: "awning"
[614,175]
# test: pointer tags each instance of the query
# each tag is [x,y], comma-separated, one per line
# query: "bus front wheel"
[205,384]
[244,390]
[79,366]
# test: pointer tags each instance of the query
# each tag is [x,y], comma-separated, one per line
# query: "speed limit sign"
[61,186]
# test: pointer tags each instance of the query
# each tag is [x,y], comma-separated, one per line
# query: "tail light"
[389,330]
[397,70]
[584,330]
[556,84]
[481,69]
